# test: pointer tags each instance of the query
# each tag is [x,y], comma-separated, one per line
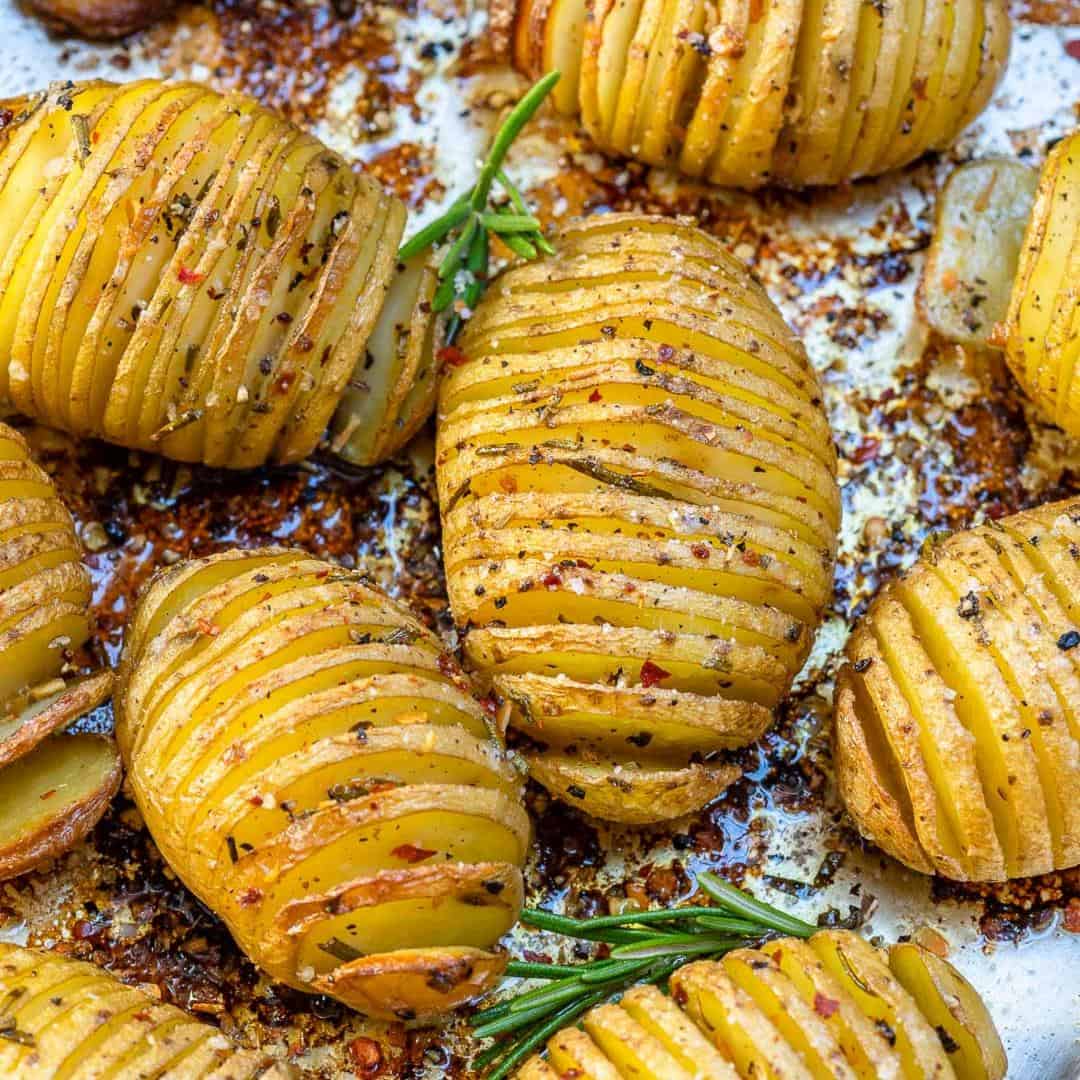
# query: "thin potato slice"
[982,213]
[53,797]
[955,1010]
[638,495]
[316,769]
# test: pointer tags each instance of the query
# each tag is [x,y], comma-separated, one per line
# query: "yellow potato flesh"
[186,273]
[605,397]
[311,739]
[952,1006]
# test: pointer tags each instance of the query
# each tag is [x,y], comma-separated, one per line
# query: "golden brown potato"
[188,273]
[1041,335]
[314,766]
[830,1008]
[982,213]
[957,739]
[784,92]
[66,1020]
[100,19]
[639,500]
[53,788]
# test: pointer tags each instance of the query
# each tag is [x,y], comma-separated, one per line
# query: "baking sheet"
[929,438]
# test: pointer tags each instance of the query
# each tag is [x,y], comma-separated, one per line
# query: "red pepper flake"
[651,674]
[825,1006]
[452,355]
[551,580]
[1073,48]
[249,897]
[1071,921]
[205,626]
[47,794]
[666,352]
[596,396]
[412,854]
[699,551]
[866,451]
[189,277]
[143,1016]
[751,558]
[490,705]
[256,800]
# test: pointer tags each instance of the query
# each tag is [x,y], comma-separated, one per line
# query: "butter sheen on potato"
[957,738]
[68,1020]
[315,768]
[829,1008]
[185,272]
[793,92]
[639,501]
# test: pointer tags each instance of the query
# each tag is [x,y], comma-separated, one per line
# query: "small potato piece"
[1042,330]
[53,797]
[101,19]
[955,1010]
[200,279]
[749,94]
[65,1019]
[639,500]
[826,1007]
[317,770]
[982,213]
[957,733]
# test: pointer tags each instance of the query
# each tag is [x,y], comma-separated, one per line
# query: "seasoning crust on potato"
[825,1008]
[744,94]
[639,501]
[53,788]
[185,272]
[1041,334]
[957,739]
[67,1020]
[314,766]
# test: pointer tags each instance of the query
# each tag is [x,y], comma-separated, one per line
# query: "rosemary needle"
[470,221]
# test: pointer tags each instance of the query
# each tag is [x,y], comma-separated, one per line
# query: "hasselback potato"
[1042,331]
[640,508]
[828,1007]
[185,272]
[53,788]
[957,740]
[785,91]
[67,1020]
[315,768]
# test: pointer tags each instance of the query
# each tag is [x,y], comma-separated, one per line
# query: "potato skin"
[104,1024]
[786,93]
[100,19]
[1042,330]
[639,502]
[956,739]
[316,769]
[187,273]
[829,1006]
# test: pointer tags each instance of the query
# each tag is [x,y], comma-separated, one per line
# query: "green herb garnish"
[469,223]
[647,947]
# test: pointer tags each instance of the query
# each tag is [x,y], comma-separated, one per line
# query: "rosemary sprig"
[469,223]
[645,947]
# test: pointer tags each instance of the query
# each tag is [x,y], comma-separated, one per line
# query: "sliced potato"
[316,769]
[982,213]
[640,508]
[747,94]
[825,1007]
[197,278]
[957,735]
[53,797]
[66,1019]
[1041,333]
